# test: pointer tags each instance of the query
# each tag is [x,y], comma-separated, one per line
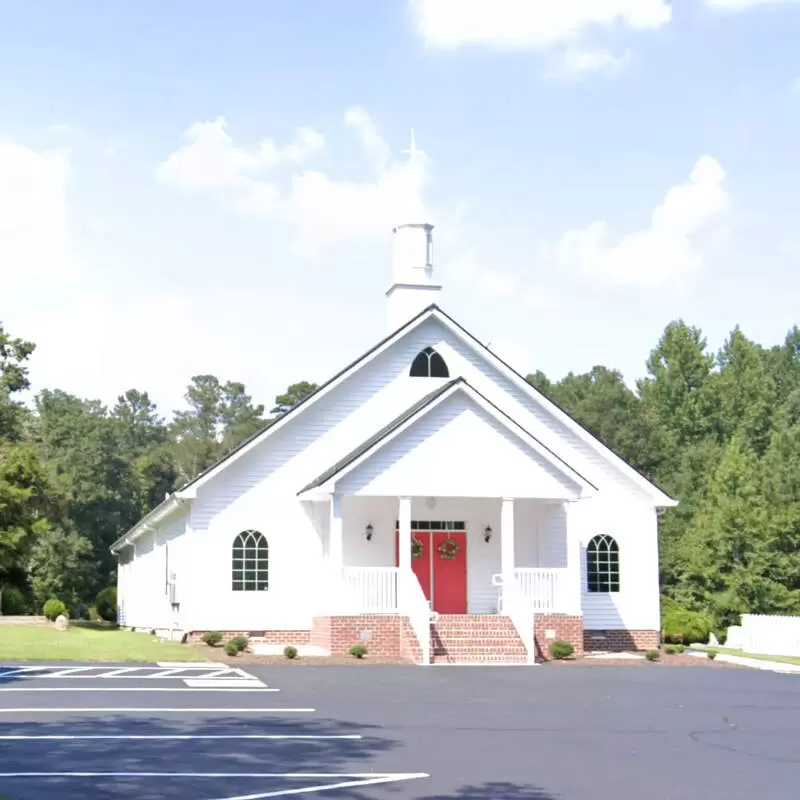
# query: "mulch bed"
[677,660]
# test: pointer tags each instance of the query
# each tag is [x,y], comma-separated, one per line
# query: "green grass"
[86,642]
[729,651]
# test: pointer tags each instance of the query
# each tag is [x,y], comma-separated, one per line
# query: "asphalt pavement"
[545,733]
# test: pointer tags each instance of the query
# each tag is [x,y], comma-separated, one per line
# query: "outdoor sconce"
[487,534]
[368,532]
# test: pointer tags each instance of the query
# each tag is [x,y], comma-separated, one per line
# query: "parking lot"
[578,733]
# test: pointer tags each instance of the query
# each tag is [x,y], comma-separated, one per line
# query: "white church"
[426,502]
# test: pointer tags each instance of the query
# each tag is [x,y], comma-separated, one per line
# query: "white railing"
[542,587]
[370,590]
[418,609]
[520,610]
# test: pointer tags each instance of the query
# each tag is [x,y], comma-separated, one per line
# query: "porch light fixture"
[368,532]
[487,534]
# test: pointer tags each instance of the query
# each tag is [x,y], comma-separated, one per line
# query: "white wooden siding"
[459,450]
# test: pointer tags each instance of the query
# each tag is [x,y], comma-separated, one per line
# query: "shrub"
[560,650]
[686,627]
[358,651]
[240,643]
[290,652]
[680,647]
[12,601]
[652,655]
[54,608]
[231,649]
[670,650]
[722,635]
[106,604]
[212,638]
[712,654]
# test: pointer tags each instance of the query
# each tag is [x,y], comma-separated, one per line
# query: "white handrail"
[520,610]
[543,587]
[416,607]
[371,590]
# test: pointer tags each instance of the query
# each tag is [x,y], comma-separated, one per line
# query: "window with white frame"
[250,562]
[602,564]
[429,364]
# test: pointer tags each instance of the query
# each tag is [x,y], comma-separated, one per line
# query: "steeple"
[413,287]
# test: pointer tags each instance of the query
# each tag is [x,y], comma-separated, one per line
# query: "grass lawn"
[728,651]
[89,643]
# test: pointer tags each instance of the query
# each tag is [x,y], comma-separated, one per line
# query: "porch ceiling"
[455,431]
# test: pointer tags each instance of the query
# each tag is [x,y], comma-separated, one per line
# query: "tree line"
[720,432]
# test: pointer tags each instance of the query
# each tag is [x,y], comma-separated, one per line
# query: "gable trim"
[323,483]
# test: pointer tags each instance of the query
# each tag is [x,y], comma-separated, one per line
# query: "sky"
[199,187]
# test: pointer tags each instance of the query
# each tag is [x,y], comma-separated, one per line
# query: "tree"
[239,418]
[293,395]
[62,567]
[14,354]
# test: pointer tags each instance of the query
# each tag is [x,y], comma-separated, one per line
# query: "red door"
[445,577]
[450,574]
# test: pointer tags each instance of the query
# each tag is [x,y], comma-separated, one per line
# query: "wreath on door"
[417,549]
[448,549]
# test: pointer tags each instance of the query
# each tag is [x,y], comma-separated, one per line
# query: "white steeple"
[413,287]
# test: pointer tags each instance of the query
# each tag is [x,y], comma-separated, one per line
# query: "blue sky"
[193,187]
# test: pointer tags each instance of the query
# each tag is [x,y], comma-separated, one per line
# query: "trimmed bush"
[561,650]
[358,651]
[240,643]
[652,655]
[670,650]
[212,638]
[231,649]
[712,654]
[680,647]
[106,604]
[54,608]
[12,601]
[686,627]
[290,652]
[722,635]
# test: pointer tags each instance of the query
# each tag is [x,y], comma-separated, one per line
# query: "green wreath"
[417,548]
[448,549]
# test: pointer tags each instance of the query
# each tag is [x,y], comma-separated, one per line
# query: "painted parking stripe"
[135,689]
[137,672]
[222,710]
[171,737]
[372,781]
[237,683]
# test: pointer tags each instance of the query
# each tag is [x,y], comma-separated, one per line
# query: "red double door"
[443,579]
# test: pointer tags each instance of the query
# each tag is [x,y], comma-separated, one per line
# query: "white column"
[336,536]
[570,597]
[507,563]
[404,542]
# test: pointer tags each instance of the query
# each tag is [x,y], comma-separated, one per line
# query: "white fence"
[766,635]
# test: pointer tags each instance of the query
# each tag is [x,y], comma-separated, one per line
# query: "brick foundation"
[620,640]
[384,635]
[270,637]
[563,628]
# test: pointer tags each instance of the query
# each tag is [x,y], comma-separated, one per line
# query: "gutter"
[170,504]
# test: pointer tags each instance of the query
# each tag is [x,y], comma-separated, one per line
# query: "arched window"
[602,564]
[429,364]
[250,562]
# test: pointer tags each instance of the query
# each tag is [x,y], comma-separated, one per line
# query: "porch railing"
[519,609]
[543,587]
[370,590]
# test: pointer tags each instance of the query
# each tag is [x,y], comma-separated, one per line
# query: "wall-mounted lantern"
[368,532]
[487,534]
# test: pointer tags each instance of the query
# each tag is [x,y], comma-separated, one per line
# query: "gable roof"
[188,490]
[418,409]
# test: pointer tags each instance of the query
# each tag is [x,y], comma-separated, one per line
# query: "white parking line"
[217,688]
[170,737]
[70,710]
[241,683]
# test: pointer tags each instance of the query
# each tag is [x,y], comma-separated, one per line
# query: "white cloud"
[659,255]
[536,24]
[323,210]
[210,159]
[34,233]
[738,5]
[577,62]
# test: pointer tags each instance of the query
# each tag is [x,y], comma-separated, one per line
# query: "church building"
[426,502]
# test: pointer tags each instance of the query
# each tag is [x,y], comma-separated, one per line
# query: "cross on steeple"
[412,150]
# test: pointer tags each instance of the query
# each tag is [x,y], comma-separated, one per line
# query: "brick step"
[466,630]
[484,641]
[480,659]
[478,649]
